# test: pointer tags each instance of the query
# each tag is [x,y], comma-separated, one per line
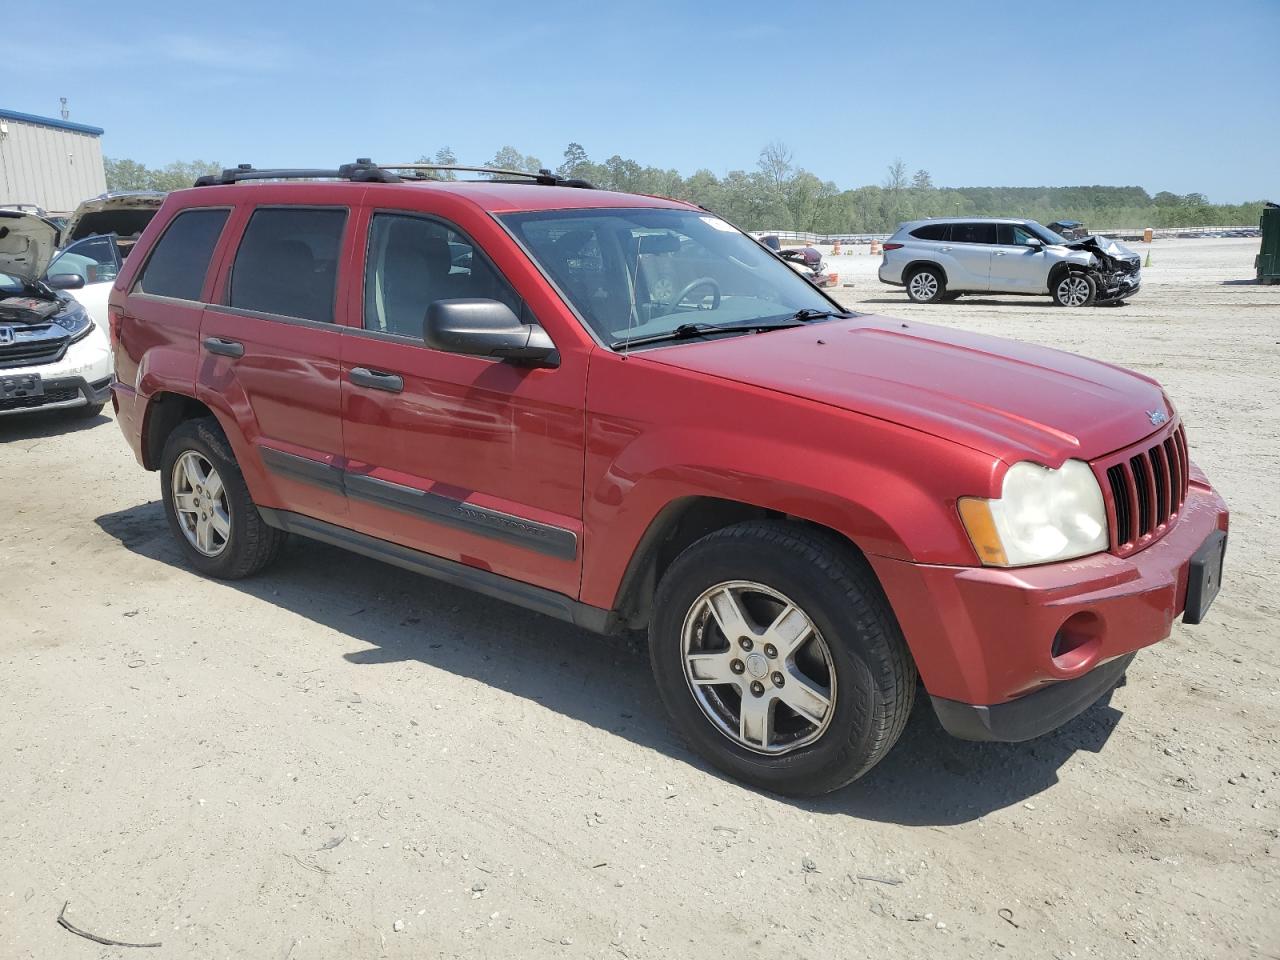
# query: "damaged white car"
[53,355]
[944,258]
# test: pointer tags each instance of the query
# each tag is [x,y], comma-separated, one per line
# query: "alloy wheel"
[200,503]
[758,667]
[923,286]
[1073,291]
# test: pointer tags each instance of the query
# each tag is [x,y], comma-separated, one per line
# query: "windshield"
[1045,234]
[638,273]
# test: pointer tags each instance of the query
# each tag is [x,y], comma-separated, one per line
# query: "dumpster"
[1267,262]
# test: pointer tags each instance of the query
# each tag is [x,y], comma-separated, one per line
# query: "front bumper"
[82,377]
[985,638]
[1122,287]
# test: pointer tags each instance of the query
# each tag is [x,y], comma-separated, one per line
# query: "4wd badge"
[1157,417]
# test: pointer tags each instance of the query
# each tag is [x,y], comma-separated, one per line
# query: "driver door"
[1016,265]
[472,459]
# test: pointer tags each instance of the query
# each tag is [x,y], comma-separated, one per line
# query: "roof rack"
[365,170]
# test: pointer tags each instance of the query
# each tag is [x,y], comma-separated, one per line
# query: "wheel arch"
[165,411]
[915,265]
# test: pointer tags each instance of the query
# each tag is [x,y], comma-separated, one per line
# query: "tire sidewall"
[203,437]
[1093,289]
[837,756]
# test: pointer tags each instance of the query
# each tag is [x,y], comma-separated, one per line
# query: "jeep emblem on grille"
[1157,417]
[6,334]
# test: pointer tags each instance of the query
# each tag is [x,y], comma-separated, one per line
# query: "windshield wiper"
[687,331]
[806,314]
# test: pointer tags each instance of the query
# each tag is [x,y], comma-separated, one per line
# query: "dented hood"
[1096,244]
[27,244]
[1013,400]
[124,214]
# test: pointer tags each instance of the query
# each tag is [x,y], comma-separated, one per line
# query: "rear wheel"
[778,658]
[1074,290]
[926,285]
[208,506]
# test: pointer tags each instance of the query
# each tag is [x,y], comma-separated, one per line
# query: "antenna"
[65,112]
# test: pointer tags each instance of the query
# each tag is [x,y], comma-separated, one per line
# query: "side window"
[93,260]
[413,261]
[181,258]
[287,263]
[931,231]
[973,233]
[1013,235]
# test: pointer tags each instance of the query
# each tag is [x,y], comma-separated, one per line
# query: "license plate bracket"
[1204,576]
[23,385]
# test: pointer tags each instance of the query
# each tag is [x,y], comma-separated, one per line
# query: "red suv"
[623,412]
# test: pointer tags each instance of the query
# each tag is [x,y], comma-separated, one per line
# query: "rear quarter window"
[287,264]
[931,231]
[177,266]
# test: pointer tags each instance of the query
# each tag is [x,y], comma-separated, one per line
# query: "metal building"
[52,163]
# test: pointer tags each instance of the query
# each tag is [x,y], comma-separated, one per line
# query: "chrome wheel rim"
[1073,291]
[923,286]
[758,667]
[200,503]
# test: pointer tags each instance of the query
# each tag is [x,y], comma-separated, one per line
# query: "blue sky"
[1174,95]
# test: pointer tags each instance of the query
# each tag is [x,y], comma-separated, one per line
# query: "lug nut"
[745,643]
[770,651]
[778,679]
[757,689]
[737,666]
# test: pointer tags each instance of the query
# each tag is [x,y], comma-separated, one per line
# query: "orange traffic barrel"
[875,247]
[835,251]
[1146,235]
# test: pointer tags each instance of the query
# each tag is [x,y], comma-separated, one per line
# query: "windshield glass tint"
[639,272]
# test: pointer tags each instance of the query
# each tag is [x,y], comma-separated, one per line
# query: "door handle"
[999,253]
[224,347]
[944,249]
[376,379]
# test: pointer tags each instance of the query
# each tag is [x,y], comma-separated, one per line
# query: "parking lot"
[342,759]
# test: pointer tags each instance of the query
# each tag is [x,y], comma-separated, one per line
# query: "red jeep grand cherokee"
[623,412]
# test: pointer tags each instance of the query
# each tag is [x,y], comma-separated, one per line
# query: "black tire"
[251,544]
[87,412]
[1074,289]
[875,677]
[926,284]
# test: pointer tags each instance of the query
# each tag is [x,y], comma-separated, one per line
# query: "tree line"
[779,194]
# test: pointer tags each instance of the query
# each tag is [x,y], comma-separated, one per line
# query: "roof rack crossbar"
[365,170]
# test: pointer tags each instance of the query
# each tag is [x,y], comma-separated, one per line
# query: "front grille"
[26,353]
[1146,488]
[57,395]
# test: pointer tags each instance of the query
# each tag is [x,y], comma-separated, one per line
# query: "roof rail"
[543,176]
[365,170]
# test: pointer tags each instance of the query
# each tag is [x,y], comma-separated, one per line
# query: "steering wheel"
[694,285]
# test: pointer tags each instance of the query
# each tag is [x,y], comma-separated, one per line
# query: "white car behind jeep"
[53,355]
[944,258]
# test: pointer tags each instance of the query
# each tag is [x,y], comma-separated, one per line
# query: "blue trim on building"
[50,122]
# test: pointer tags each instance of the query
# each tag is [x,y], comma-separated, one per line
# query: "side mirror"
[1035,243]
[487,328]
[66,281]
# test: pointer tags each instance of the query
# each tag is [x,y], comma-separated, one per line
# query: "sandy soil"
[340,759]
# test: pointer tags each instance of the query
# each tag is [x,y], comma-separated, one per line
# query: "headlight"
[75,320]
[1042,515]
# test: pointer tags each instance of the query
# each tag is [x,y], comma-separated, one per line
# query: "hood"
[1009,399]
[1103,245]
[124,214]
[27,244]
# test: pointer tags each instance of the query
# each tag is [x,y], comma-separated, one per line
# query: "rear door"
[468,458]
[970,245]
[270,347]
[1016,265]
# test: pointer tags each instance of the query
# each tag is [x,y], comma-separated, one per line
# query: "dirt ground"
[340,759]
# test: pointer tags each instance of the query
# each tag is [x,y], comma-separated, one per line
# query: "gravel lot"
[339,759]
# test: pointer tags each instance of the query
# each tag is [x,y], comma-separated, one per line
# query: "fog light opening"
[1077,641]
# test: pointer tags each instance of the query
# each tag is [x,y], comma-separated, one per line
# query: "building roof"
[50,122]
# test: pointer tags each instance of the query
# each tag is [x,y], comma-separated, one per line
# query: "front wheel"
[926,285]
[778,658]
[1075,290]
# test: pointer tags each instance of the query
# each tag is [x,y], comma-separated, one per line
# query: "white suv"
[52,353]
[941,259]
